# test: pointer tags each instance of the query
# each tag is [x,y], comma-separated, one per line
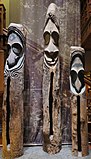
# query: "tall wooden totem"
[12,118]
[51,83]
[79,115]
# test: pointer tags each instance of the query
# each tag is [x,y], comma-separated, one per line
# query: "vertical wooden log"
[52,139]
[84,125]
[1,89]
[1,71]
[51,84]
[77,88]
[74,125]
[12,119]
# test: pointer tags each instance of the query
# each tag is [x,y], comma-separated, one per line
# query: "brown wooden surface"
[1,71]
[84,125]
[52,145]
[2,18]
[16,117]
[84,129]
[1,101]
[86,24]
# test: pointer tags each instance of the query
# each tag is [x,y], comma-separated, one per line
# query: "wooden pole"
[51,84]
[12,118]
[78,103]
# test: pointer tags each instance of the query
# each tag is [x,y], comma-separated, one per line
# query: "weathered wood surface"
[51,83]
[84,125]
[12,110]
[83,120]
[1,71]
[79,128]
[52,142]
[16,118]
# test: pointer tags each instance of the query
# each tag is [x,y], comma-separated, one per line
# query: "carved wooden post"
[1,88]
[12,123]
[51,84]
[1,71]
[79,115]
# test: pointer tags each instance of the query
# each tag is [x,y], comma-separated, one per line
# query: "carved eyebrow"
[81,57]
[77,65]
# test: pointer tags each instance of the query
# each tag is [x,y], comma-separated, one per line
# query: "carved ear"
[77,85]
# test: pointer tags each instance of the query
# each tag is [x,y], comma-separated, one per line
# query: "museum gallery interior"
[45,76]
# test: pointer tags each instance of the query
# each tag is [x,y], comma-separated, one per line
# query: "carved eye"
[46,38]
[81,76]
[55,37]
[73,76]
[17,49]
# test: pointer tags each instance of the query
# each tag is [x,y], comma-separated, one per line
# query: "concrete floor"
[38,153]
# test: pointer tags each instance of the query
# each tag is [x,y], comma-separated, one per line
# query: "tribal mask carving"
[51,36]
[77,85]
[15,49]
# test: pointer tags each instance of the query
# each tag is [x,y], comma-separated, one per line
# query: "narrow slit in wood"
[51,103]
[8,112]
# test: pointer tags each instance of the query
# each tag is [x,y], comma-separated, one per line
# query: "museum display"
[43,96]
[77,84]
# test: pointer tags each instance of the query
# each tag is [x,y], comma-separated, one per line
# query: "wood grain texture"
[52,145]
[16,117]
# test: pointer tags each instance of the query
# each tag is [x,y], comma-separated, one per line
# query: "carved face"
[77,84]
[51,41]
[15,50]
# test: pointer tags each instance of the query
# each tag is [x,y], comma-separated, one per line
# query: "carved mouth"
[51,55]
[51,62]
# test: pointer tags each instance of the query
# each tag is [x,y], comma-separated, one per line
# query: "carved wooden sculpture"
[12,124]
[77,84]
[51,83]
[77,87]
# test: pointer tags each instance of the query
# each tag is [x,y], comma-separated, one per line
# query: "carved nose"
[12,60]
[54,54]
[10,65]
[51,54]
